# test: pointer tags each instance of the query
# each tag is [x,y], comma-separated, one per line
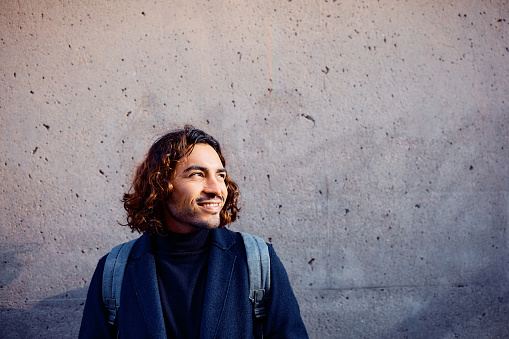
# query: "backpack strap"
[113,275]
[258,264]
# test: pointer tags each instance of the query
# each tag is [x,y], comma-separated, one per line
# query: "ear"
[166,194]
[170,191]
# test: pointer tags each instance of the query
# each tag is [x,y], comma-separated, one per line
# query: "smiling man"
[198,193]
[188,276]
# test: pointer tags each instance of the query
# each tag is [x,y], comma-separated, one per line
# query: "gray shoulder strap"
[113,275]
[258,263]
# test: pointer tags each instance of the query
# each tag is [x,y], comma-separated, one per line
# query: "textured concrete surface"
[370,140]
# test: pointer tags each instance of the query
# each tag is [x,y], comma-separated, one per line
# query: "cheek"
[178,202]
[178,196]
[181,189]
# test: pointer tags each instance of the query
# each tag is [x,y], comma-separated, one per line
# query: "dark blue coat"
[227,311]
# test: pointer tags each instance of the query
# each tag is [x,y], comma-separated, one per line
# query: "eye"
[195,174]
[221,175]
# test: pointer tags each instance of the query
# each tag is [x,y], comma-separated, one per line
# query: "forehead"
[203,155]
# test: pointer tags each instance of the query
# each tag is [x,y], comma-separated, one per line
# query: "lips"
[209,200]
[210,205]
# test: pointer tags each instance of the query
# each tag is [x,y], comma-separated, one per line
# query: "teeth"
[211,204]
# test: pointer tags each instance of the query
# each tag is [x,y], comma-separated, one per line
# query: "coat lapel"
[219,275]
[144,277]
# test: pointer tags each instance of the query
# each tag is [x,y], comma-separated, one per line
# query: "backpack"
[258,264]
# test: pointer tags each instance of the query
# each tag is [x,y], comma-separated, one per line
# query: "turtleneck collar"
[180,243]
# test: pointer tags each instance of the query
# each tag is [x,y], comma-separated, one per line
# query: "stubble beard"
[187,216]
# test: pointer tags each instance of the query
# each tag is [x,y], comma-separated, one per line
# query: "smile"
[211,205]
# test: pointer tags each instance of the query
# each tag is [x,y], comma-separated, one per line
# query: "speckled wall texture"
[370,140]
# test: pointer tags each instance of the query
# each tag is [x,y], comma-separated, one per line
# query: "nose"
[214,186]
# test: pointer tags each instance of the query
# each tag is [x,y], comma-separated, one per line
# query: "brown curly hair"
[151,184]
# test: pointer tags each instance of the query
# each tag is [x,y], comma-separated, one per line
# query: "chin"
[207,224]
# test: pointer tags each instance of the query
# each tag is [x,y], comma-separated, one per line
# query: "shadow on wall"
[476,310]
[55,317]
[10,267]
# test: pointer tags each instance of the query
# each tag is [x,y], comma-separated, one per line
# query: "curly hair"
[151,187]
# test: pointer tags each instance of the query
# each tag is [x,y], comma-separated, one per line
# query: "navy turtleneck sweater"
[181,261]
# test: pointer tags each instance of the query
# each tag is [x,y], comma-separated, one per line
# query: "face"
[199,192]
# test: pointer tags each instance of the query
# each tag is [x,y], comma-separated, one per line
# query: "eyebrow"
[203,169]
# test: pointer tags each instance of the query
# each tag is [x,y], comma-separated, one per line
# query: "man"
[186,276]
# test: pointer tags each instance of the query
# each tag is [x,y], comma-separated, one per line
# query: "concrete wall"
[370,140]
